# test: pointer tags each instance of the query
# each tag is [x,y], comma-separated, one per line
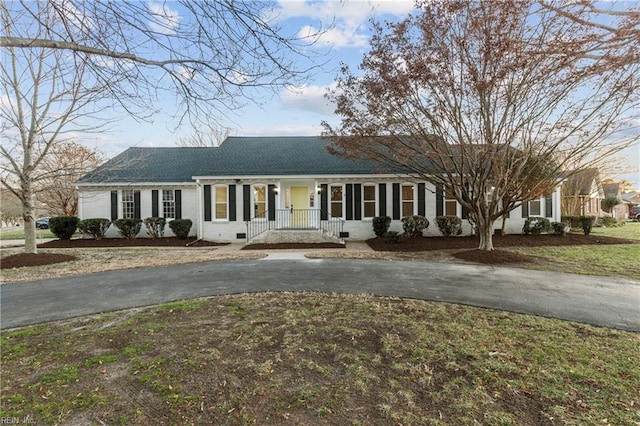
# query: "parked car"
[634,213]
[43,223]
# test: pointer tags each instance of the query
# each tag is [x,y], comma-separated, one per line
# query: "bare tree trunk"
[28,214]
[485,229]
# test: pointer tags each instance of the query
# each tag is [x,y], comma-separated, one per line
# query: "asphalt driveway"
[604,301]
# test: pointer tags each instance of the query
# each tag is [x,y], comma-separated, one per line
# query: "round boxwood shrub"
[155,226]
[391,237]
[96,227]
[181,227]
[449,225]
[63,227]
[414,225]
[381,225]
[128,228]
[536,225]
[560,228]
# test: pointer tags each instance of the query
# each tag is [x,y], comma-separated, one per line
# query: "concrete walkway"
[604,301]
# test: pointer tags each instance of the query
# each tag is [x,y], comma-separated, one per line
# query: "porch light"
[318,189]
[276,189]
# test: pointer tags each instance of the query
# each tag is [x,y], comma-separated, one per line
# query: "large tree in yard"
[492,100]
[70,67]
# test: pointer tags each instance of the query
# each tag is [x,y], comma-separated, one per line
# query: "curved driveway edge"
[603,301]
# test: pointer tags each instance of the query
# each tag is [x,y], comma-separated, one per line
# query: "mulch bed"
[471,242]
[282,246]
[29,259]
[122,242]
[495,257]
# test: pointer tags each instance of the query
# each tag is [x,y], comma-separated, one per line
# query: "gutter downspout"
[200,233]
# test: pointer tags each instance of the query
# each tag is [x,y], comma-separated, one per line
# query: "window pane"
[407,192]
[407,209]
[369,209]
[168,204]
[534,208]
[450,208]
[336,209]
[221,211]
[221,194]
[128,210]
[336,193]
[369,193]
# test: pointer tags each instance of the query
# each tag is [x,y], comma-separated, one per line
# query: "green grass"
[607,260]
[320,359]
[18,234]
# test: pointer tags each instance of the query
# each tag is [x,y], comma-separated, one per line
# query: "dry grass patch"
[100,260]
[319,359]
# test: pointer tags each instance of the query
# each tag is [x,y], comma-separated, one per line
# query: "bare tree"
[63,166]
[214,136]
[69,63]
[489,99]
[48,97]
[210,54]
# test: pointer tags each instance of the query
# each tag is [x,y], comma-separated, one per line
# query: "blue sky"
[296,110]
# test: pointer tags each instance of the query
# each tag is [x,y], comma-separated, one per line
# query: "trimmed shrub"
[128,228]
[63,227]
[391,237]
[573,221]
[155,226]
[181,227]
[608,222]
[381,225]
[449,225]
[414,225]
[560,228]
[586,222]
[96,227]
[536,225]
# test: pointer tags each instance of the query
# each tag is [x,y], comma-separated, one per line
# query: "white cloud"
[166,20]
[308,98]
[345,23]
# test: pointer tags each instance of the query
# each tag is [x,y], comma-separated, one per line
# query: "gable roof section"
[236,156]
[581,182]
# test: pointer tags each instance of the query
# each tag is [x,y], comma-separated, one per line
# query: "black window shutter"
[114,205]
[357,201]
[382,202]
[246,202]
[207,203]
[324,201]
[548,206]
[465,212]
[272,202]
[154,203]
[396,201]
[178,200]
[525,209]
[439,200]
[421,201]
[136,205]
[232,203]
[349,198]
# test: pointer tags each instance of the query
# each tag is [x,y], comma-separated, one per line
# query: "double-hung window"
[450,203]
[336,200]
[369,200]
[534,207]
[168,203]
[221,202]
[259,200]
[408,200]
[128,204]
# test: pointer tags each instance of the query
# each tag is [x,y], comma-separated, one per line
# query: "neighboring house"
[621,211]
[249,185]
[582,194]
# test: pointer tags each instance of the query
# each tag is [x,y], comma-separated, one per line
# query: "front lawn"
[319,359]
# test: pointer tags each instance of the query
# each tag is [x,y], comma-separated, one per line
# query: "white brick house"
[249,185]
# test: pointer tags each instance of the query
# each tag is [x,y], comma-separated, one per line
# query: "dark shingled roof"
[236,156]
[580,183]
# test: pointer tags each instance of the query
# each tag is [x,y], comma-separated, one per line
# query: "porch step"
[276,236]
